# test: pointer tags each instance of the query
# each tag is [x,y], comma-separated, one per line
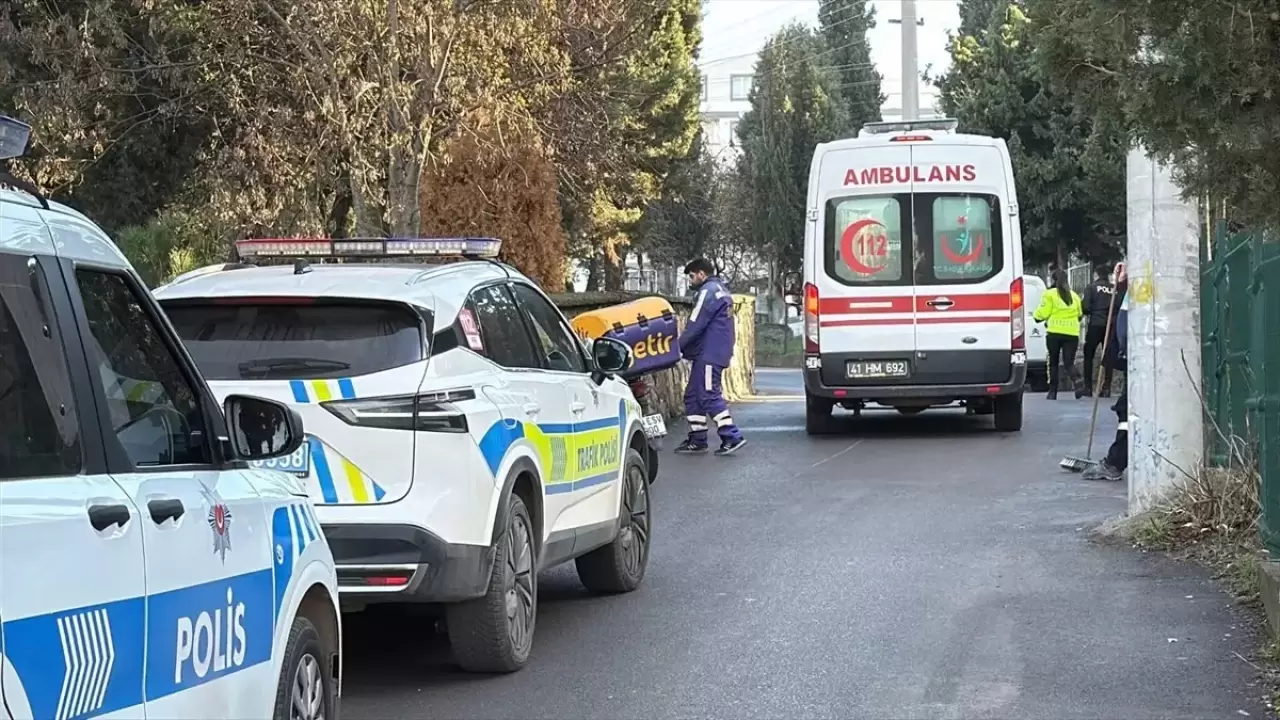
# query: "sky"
[732,28]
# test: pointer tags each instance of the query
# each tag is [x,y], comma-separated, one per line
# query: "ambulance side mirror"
[791,299]
[791,285]
[262,429]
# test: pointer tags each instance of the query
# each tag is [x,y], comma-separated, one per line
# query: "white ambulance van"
[913,287]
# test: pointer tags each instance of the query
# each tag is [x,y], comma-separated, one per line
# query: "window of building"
[704,87]
[740,86]
[733,133]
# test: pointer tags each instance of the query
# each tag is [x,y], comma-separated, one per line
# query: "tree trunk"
[613,272]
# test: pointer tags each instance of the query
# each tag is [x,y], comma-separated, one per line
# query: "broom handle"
[1097,385]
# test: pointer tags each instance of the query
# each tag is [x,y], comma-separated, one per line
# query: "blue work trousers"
[704,403]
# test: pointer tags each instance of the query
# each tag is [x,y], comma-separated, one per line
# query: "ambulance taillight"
[1017,315]
[810,318]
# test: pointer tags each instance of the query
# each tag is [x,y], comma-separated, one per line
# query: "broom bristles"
[1074,464]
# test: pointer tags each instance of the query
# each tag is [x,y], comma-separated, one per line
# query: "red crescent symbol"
[968,257]
[846,247]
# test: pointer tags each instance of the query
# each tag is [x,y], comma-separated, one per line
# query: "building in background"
[726,89]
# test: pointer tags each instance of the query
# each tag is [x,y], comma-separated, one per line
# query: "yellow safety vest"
[1059,317]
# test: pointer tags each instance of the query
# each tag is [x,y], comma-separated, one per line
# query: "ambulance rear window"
[864,240]
[312,339]
[913,239]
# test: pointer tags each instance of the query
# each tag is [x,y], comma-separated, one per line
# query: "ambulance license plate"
[298,463]
[654,426]
[869,369]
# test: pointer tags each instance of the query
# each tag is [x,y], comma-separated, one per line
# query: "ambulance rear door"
[966,262]
[861,269]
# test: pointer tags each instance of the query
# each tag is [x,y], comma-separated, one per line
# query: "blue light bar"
[14,136]
[369,248]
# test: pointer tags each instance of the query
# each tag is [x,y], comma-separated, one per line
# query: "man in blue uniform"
[707,340]
[1114,464]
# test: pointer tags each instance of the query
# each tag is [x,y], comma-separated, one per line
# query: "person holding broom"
[1116,461]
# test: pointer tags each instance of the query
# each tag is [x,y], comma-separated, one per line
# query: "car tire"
[817,415]
[306,690]
[619,567]
[494,632]
[1008,412]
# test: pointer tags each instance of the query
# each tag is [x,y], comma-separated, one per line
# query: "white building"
[726,87]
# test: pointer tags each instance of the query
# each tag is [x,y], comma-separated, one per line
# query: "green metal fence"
[1240,330]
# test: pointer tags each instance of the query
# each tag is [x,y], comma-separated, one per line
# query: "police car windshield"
[257,340]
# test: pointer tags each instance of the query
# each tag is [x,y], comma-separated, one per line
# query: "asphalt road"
[919,567]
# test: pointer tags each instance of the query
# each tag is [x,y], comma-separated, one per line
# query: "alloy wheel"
[635,530]
[307,697]
[520,583]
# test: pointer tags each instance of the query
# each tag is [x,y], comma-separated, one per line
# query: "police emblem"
[219,523]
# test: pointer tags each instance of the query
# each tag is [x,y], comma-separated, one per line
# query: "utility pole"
[1166,420]
[910,73]
[910,59]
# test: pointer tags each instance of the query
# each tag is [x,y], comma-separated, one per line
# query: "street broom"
[1075,464]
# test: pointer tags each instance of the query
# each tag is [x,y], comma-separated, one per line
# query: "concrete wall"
[739,379]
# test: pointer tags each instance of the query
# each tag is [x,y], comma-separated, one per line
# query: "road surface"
[920,567]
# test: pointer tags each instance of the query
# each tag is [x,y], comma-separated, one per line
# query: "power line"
[784,43]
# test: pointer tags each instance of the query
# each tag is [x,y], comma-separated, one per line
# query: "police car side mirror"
[262,429]
[610,355]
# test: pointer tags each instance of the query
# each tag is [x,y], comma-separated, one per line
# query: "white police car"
[145,567]
[460,437]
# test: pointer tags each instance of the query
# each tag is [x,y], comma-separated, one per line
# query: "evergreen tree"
[1069,168]
[795,105]
[680,224]
[843,25]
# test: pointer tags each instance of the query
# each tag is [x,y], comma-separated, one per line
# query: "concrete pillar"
[1166,420]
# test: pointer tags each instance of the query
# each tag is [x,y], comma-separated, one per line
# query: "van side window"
[864,242]
[965,247]
[39,434]
[155,412]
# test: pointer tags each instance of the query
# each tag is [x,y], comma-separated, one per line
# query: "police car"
[460,437]
[145,567]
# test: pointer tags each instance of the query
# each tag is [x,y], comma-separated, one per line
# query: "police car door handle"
[577,407]
[165,509]
[102,517]
[532,409]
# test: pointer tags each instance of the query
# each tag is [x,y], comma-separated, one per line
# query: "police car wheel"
[306,689]
[619,567]
[494,633]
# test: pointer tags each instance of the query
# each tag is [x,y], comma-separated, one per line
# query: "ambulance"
[913,291]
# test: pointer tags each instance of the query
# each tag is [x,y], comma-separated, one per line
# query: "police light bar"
[14,136]
[368,248]
[906,126]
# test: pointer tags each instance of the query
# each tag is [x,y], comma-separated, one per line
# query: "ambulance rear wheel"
[817,415]
[1008,412]
[306,690]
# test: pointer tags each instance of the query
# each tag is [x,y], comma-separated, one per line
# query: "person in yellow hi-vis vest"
[1060,310]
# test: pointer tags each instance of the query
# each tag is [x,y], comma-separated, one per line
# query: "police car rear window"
[278,340]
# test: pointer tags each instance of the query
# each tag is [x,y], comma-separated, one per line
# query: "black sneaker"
[689,448]
[727,448]
[1103,471]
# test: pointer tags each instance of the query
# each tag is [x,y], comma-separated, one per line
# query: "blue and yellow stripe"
[306,392]
[548,438]
[339,476]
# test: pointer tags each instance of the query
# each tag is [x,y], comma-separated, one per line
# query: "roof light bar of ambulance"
[1017,316]
[811,318]
[945,125]
[14,137]
[424,412]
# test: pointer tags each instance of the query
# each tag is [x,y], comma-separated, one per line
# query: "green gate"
[1240,332]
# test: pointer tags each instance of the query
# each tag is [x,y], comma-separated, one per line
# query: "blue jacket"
[709,336]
